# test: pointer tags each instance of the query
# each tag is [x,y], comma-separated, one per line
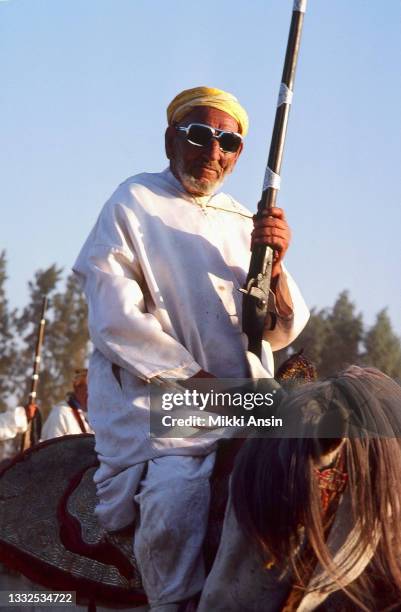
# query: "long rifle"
[256,292]
[32,434]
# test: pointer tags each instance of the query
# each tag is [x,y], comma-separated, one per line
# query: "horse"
[314,516]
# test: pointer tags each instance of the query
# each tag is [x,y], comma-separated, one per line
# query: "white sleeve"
[288,328]
[54,425]
[119,325]
[12,422]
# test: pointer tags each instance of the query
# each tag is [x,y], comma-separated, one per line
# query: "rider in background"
[70,416]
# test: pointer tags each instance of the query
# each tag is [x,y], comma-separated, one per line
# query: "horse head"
[340,440]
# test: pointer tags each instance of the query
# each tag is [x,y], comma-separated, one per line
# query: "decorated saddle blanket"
[49,531]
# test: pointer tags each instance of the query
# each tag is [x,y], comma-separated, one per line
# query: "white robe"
[12,422]
[161,271]
[62,422]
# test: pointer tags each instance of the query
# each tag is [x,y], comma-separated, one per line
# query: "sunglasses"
[202,135]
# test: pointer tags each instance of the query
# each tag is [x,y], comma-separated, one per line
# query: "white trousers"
[173,503]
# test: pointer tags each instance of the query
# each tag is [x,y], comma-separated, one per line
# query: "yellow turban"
[207,96]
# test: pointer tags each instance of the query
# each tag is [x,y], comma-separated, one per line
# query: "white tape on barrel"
[300,5]
[284,95]
[271,179]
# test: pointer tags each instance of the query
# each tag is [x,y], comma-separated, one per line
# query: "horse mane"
[275,492]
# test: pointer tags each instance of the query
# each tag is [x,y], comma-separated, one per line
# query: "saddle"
[50,534]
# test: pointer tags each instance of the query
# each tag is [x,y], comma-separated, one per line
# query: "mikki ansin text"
[216,420]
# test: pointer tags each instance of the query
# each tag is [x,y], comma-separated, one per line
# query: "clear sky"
[84,88]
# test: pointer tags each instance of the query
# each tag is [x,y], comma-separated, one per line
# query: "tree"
[343,337]
[383,347]
[332,337]
[7,342]
[44,283]
[66,338]
[313,338]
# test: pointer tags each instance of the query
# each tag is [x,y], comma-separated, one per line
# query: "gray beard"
[200,186]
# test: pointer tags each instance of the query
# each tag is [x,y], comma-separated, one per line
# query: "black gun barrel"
[38,350]
[32,434]
[257,289]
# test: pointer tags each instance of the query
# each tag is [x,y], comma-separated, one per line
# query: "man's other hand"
[272,229]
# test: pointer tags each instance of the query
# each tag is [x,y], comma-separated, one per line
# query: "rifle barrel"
[257,290]
[284,101]
[32,434]
[38,349]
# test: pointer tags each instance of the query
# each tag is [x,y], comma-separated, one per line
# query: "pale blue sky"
[85,84]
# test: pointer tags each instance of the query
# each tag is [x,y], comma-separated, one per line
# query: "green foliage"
[66,337]
[44,283]
[7,342]
[383,347]
[311,341]
[314,337]
[335,338]
[343,336]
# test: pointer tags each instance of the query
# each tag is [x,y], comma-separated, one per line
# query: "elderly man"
[161,271]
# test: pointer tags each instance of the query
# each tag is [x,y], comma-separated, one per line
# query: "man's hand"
[30,411]
[272,230]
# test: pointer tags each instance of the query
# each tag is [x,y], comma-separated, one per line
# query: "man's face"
[201,170]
